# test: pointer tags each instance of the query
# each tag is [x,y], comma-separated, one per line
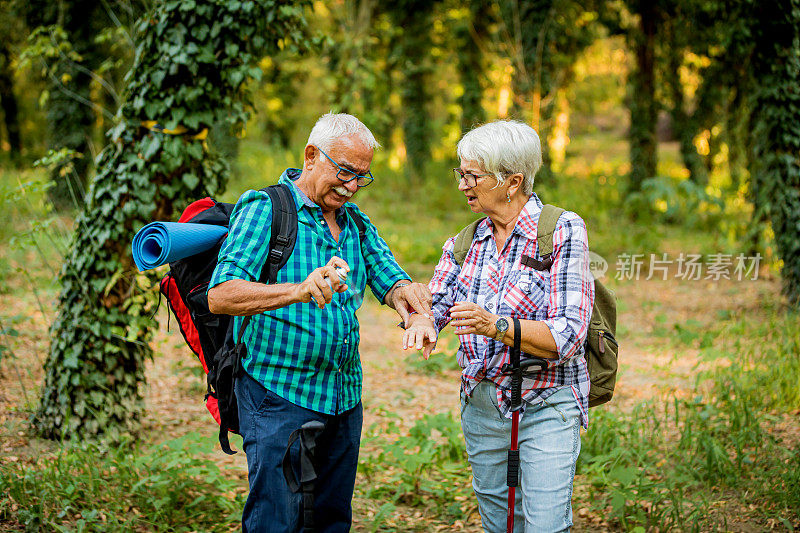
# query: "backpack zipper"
[603,335]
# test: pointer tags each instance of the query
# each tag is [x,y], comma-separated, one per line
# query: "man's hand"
[420,335]
[412,297]
[316,284]
[470,318]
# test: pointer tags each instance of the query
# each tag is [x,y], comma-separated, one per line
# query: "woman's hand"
[469,318]
[420,335]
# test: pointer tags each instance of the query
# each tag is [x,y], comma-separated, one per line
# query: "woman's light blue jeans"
[549,444]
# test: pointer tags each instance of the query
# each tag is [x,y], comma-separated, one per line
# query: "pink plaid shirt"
[561,297]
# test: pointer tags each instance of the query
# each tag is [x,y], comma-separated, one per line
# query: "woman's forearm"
[536,338]
[243,298]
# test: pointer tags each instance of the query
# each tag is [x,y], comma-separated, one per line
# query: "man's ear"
[309,156]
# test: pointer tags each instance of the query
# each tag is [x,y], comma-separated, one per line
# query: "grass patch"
[680,464]
[90,487]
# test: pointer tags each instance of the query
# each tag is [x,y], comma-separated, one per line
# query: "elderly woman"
[496,284]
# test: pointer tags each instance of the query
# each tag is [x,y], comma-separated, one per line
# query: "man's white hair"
[333,126]
[504,147]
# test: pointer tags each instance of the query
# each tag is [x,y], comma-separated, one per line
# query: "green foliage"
[65,46]
[193,62]
[681,202]
[360,65]
[424,467]
[166,487]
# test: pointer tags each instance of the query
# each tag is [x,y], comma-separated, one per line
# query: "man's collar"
[526,223]
[289,177]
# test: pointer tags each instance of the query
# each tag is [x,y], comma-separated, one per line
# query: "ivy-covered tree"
[193,62]
[775,127]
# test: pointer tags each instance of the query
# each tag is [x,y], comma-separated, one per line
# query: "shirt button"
[490,306]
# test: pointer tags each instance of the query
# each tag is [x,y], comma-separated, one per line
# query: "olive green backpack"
[601,346]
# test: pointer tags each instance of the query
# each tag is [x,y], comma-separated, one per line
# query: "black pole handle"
[516,370]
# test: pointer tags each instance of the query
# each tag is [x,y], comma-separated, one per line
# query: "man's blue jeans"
[266,420]
[549,443]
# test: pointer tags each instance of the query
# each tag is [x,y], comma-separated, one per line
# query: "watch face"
[501,324]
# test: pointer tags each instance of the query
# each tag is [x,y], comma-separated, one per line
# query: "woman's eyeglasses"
[469,178]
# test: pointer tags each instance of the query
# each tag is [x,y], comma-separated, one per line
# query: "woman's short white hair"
[333,126]
[504,147]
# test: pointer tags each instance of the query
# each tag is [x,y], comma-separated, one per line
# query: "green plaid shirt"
[307,355]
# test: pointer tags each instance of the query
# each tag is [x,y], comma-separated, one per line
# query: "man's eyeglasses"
[469,178]
[347,176]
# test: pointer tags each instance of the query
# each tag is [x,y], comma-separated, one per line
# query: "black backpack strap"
[283,233]
[308,434]
[358,220]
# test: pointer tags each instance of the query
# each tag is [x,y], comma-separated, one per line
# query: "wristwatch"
[502,326]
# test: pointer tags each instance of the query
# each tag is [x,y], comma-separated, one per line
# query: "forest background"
[671,127]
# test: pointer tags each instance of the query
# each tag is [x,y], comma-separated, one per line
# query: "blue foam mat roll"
[159,243]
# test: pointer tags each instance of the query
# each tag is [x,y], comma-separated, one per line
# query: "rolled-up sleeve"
[244,250]
[443,286]
[383,271]
[571,286]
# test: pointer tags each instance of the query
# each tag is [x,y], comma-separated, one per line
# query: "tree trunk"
[8,101]
[70,112]
[642,100]
[472,36]
[685,125]
[415,19]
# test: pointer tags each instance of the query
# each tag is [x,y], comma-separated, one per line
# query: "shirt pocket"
[528,292]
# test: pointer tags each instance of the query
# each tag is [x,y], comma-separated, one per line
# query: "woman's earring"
[508,196]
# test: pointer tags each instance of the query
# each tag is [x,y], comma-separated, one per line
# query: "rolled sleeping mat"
[159,243]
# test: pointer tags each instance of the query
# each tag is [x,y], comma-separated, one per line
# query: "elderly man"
[302,361]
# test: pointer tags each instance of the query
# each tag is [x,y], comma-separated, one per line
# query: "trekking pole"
[515,368]
[512,475]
